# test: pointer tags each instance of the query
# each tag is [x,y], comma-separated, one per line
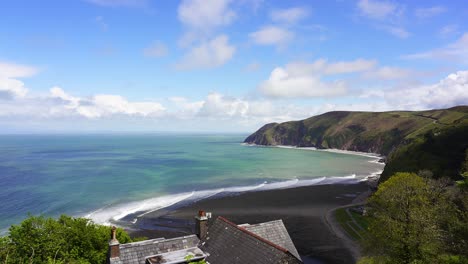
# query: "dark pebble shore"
[302,210]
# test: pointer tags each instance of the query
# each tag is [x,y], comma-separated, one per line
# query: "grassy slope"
[433,140]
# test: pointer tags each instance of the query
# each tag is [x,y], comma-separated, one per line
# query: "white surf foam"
[244,188]
[107,214]
[112,213]
[279,185]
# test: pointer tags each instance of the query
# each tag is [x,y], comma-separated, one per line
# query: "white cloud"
[378,9]
[217,111]
[217,105]
[389,73]
[429,12]
[120,3]
[450,91]
[156,50]
[213,53]
[11,70]
[205,15]
[448,30]
[10,87]
[323,67]
[288,84]
[101,105]
[454,52]
[386,15]
[289,15]
[300,79]
[272,35]
[397,31]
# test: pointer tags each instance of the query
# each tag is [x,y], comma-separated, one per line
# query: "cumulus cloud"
[102,105]
[389,73]
[156,50]
[322,66]
[455,52]
[283,83]
[210,54]
[448,30]
[272,35]
[385,15]
[10,87]
[378,9]
[205,15]
[301,79]
[450,91]
[289,15]
[11,70]
[233,113]
[397,31]
[219,106]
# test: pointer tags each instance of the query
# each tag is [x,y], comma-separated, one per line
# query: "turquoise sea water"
[106,177]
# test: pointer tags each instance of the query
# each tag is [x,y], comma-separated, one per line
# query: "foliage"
[65,240]
[416,220]
[189,257]
[442,151]
[435,140]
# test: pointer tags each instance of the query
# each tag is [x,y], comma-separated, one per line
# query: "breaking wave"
[118,212]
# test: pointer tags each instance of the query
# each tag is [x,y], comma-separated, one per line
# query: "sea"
[106,177]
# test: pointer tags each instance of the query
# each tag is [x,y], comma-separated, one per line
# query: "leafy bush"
[417,220]
[65,240]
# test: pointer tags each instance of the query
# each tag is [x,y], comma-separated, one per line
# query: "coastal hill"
[434,140]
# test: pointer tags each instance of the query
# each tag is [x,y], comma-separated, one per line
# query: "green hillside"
[412,141]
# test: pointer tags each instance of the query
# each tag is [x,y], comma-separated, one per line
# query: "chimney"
[114,245]
[201,224]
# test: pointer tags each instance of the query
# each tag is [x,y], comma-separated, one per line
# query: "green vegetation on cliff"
[63,240]
[417,220]
[434,140]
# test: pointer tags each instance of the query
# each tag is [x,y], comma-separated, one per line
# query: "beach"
[303,211]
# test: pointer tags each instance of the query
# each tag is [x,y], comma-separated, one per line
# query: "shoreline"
[119,214]
[377,156]
[303,209]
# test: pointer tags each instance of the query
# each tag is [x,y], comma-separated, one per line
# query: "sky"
[85,66]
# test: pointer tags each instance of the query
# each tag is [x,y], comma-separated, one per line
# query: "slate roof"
[178,256]
[228,243]
[138,252]
[275,232]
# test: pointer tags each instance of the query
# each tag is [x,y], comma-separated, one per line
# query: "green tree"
[405,221]
[66,240]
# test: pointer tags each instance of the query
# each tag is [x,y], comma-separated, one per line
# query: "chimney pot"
[114,244]
[201,224]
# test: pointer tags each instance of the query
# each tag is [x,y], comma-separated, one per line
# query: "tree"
[405,221]
[65,240]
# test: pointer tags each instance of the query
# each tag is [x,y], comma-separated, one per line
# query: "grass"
[354,224]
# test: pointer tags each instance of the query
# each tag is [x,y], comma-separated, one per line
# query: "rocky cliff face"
[383,133]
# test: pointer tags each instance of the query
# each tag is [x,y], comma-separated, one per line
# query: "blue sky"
[221,65]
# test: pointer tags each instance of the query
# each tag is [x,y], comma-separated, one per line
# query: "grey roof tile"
[228,243]
[136,253]
[275,232]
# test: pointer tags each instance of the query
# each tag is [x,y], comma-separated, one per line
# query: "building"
[221,242]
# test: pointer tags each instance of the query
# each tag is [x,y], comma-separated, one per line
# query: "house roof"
[229,243]
[138,252]
[176,257]
[275,232]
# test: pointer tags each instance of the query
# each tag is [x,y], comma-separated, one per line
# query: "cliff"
[412,140]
